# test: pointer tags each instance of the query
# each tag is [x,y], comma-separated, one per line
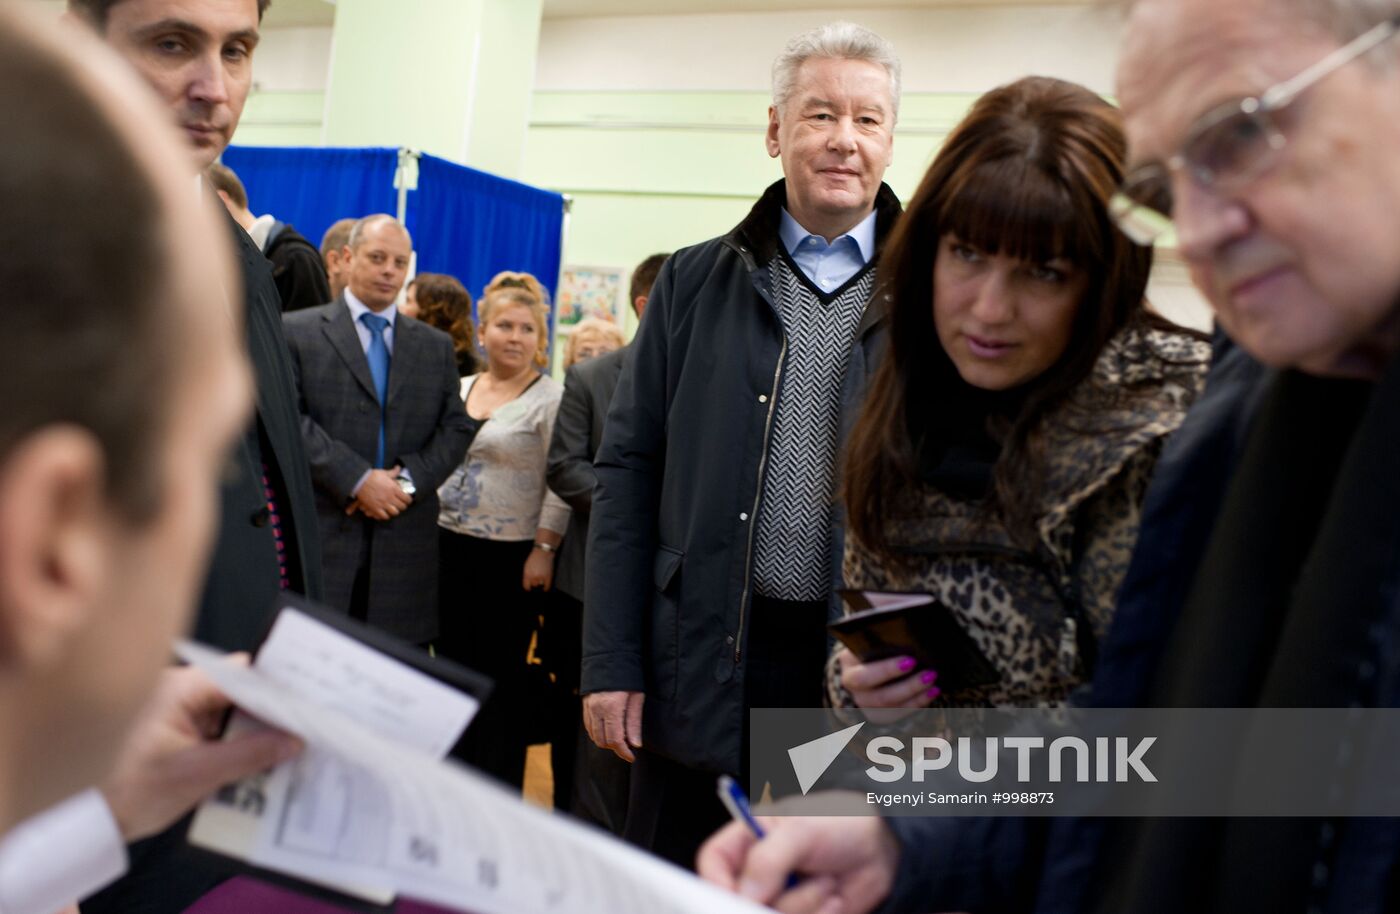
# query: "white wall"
[944,50]
[293,60]
[958,50]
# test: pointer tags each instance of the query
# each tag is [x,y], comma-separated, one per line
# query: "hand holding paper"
[173,759]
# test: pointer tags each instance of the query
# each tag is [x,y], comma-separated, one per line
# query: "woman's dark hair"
[444,303]
[1027,173]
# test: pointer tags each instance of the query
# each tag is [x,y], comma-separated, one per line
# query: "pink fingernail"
[928,677]
[934,692]
[906,664]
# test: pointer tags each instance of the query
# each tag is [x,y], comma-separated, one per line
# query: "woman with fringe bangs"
[1001,455]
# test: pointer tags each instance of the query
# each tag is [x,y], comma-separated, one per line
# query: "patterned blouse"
[499,492]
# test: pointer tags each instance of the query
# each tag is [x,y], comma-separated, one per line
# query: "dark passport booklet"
[884,625]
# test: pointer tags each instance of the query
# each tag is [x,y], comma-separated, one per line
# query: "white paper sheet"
[402,819]
[333,670]
[278,819]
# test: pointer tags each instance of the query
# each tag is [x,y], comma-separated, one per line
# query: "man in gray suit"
[383,426]
[590,781]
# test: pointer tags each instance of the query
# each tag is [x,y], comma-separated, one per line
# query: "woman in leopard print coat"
[1000,459]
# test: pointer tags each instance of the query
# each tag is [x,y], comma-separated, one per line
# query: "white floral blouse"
[499,491]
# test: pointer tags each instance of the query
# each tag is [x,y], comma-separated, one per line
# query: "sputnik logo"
[810,760]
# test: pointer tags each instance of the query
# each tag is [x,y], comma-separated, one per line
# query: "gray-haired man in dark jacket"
[708,554]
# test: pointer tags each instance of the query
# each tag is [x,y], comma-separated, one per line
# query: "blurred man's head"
[232,192]
[335,254]
[122,393]
[643,278]
[380,253]
[196,54]
[1288,212]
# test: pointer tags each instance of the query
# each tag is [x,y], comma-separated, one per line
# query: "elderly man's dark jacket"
[425,431]
[679,473]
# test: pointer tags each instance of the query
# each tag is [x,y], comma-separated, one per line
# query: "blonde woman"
[500,524]
[592,337]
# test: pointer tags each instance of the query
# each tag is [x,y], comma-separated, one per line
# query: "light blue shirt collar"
[358,307]
[828,266]
[863,234]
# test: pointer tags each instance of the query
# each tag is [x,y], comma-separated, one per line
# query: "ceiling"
[292,13]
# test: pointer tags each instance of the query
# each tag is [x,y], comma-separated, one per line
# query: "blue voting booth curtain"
[473,225]
[312,187]
[464,222]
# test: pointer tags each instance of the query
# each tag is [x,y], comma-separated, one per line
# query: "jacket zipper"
[753,512]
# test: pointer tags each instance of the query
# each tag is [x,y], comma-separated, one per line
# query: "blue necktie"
[378,356]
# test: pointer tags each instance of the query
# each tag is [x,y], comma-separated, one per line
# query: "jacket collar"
[757,236]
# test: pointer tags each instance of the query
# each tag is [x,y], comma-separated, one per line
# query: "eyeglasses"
[1228,147]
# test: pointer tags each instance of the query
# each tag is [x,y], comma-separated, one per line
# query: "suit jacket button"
[260,517]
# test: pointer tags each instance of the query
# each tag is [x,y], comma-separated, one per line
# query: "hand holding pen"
[846,863]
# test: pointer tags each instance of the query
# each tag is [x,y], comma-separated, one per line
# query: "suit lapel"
[340,330]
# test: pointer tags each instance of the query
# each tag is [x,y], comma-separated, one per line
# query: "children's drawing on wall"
[590,292]
[586,292]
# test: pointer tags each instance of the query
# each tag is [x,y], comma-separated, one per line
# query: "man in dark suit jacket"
[384,426]
[267,538]
[266,544]
[591,782]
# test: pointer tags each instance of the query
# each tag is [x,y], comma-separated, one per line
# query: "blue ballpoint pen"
[737,802]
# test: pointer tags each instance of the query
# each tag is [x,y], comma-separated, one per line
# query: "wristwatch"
[546,547]
[406,484]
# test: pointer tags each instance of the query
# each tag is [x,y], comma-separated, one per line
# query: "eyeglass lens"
[1230,146]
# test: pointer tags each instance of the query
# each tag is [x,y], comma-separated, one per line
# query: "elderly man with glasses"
[1265,138]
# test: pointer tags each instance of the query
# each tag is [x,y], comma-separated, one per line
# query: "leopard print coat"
[1024,606]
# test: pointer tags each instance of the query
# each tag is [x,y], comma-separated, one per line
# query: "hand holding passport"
[884,625]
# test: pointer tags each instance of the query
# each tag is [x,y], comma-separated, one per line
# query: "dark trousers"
[672,808]
[589,782]
[487,621]
[602,784]
[359,588]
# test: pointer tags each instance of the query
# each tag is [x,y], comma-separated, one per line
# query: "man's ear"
[639,304]
[55,538]
[770,139]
